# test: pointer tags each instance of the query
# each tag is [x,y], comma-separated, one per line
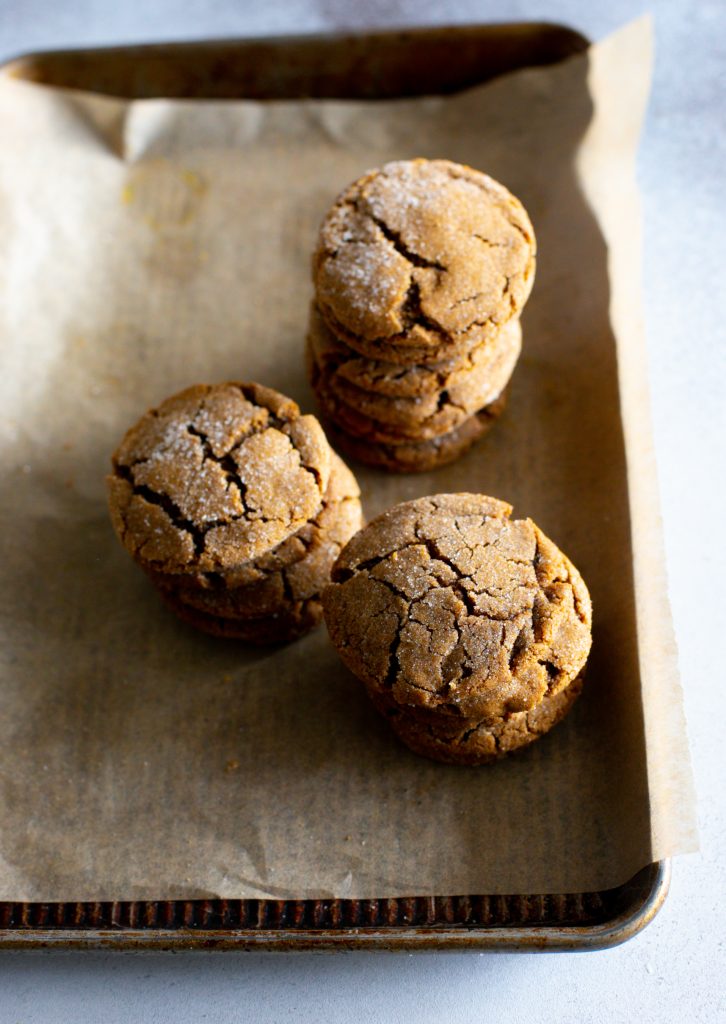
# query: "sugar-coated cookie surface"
[216,476]
[447,603]
[295,571]
[422,259]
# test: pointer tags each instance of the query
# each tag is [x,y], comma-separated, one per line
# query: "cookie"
[422,260]
[469,381]
[289,624]
[447,603]
[290,574]
[215,477]
[421,456]
[466,741]
[394,421]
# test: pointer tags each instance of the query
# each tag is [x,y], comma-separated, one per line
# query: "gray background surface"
[675,970]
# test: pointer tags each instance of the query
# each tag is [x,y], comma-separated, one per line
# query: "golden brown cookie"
[448,604]
[215,477]
[467,741]
[395,421]
[469,381]
[290,574]
[422,260]
[294,621]
[418,456]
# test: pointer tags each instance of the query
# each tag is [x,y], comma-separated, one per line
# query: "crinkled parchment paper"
[147,246]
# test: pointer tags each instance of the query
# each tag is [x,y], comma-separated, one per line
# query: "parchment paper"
[147,246]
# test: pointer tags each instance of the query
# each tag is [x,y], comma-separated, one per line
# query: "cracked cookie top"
[422,259]
[447,603]
[216,476]
[319,541]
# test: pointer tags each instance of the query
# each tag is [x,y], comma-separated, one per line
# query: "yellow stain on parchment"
[195,182]
[167,199]
[164,196]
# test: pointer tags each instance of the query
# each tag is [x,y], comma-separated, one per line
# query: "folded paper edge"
[627,55]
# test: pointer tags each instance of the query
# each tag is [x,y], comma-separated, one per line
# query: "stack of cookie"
[236,507]
[469,630]
[420,273]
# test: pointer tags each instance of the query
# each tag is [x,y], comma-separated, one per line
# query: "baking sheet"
[150,245]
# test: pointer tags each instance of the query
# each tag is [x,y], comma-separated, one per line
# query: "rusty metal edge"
[529,939]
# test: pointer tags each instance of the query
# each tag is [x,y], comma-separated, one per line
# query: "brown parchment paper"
[147,246]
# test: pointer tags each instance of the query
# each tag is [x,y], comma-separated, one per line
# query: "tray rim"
[14,64]
[414,939]
[418,938]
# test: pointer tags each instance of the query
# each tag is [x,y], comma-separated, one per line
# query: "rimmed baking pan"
[376,66]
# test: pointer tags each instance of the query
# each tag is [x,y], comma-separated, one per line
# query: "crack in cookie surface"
[421,259]
[215,476]
[389,420]
[466,378]
[394,237]
[484,614]
[295,571]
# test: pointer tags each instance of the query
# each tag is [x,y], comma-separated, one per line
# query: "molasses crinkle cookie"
[421,271]
[406,456]
[469,629]
[469,741]
[422,259]
[430,409]
[235,506]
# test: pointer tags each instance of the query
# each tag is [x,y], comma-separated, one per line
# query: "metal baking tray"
[375,65]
